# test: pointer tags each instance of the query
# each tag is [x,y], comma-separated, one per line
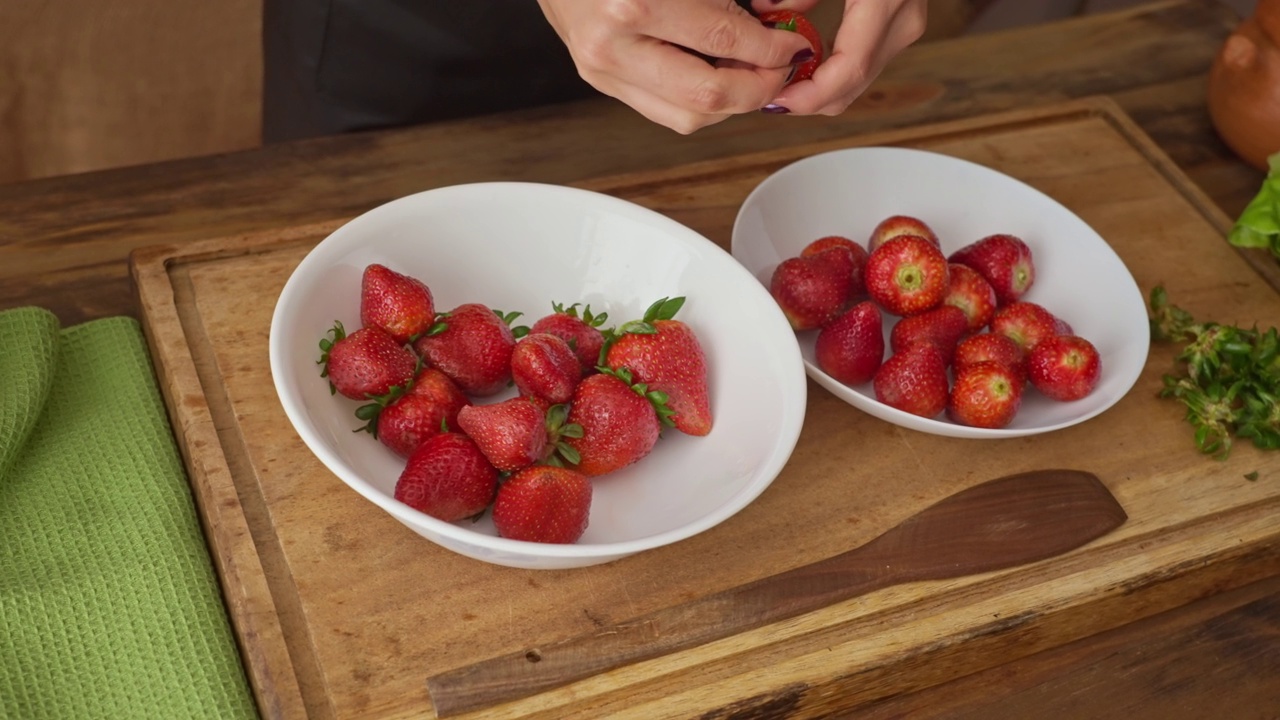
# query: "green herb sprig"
[1229,378]
[1259,224]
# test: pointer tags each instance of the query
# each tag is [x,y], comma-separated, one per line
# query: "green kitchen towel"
[109,604]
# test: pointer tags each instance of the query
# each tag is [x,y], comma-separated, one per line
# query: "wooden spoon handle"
[998,524]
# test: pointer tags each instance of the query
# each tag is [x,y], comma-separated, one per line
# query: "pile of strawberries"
[966,342]
[589,401]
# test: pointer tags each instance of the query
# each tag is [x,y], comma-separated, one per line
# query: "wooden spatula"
[998,524]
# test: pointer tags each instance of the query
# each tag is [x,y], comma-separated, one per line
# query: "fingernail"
[774,109]
[802,57]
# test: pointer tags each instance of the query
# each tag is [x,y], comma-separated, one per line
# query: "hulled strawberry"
[985,395]
[664,355]
[542,503]
[851,347]
[943,326]
[971,292]
[543,365]
[512,434]
[907,275]
[620,422]
[795,22]
[914,381]
[810,290]
[1004,261]
[856,256]
[581,331]
[895,225]
[430,406]
[989,347]
[472,344]
[366,364]
[1064,367]
[1026,323]
[448,478]
[399,304]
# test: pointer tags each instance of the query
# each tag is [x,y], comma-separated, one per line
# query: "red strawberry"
[811,290]
[400,304]
[989,347]
[895,225]
[366,364]
[985,395]
[581,332]
[1025,323]
[1064,367]
[1004,260]
[851,347]
[857,258]
[544,504]
[512,434]
[543,365]
[914,381]
[429,407]
[620,422]
[795,22]
[971,292]
[472,344]
[448,478]
[907,275]
[664,354]
[943,326]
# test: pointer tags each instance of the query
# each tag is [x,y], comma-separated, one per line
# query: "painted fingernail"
[774,109]
[803,56]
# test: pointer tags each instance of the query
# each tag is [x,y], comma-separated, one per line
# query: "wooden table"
[64,245]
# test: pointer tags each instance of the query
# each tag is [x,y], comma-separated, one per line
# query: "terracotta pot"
[1244,86]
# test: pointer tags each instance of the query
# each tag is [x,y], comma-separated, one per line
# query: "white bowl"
[1078,276]
[521,246]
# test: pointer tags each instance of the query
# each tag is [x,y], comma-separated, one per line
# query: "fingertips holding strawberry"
[793,21]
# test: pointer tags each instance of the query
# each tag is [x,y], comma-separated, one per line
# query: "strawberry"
[989,346]
[795,22]
[811,290]
[1004,261]
[430,406]
[1025,323]
[582,332]
[664,355]
[472,344]
[943,326]
[1064,367]
[366,364]
[895,225]
[448,478]
[914,381]
[857,257]
[397,303]
[907,275]
[971,292]
[512,434]
[851,347]
[543,365]
[620,422]
[542,503]
[985,395]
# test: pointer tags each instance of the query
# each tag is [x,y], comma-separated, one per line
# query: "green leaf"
[1259,223]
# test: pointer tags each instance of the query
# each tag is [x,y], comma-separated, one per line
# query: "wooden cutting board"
[341,612]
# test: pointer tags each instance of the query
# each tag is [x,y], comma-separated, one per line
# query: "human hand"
[872,32]
[635,51]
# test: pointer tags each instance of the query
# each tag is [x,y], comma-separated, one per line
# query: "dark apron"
[335,66]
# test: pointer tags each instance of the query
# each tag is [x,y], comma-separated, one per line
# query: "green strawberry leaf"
[518,331]
[336,333]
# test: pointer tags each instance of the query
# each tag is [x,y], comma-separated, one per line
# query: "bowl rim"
[764,475]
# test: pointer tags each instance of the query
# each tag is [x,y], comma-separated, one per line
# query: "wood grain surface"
[367,610]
